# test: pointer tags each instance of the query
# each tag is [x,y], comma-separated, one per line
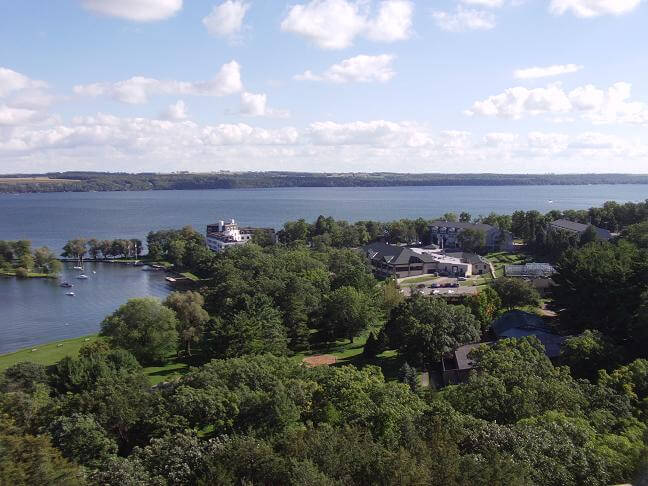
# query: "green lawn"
[50,353]
[7,273]
[190,276]
[502,258]
[415,280]
[46,354]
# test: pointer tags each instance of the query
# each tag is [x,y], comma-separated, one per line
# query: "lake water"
[37,311]
[52,219]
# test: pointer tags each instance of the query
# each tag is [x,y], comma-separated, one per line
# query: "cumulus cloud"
[546,71]
[177,111]
[593,8]
[375,145]
[138,89]
[464,19]
[135,10]
[334,24]
[226,19]
[358,69]
[612,105]
[12,81]
[256,104]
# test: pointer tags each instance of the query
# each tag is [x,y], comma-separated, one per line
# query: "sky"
[451,86]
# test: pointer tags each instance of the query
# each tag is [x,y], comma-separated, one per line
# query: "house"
[456,366]
[445,233]
[480,266]
[518,324]
[221,235]
[578,228]
[402,261]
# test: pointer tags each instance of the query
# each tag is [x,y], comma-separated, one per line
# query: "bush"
[22,272]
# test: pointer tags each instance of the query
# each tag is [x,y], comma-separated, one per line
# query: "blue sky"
[324,85]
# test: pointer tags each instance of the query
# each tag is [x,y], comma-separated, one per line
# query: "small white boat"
[78,268]
[70,294]
[94,271]
[82,276]
[170,279]
[550,201]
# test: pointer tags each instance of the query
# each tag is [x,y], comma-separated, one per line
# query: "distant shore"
[108,182]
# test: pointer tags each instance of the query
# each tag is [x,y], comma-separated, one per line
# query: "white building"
[221,235]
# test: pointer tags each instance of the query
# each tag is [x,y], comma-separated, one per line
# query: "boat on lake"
[82,276]
[67,285]
[70,294]
[170,279]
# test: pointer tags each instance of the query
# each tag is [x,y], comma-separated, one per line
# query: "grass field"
[5,273]
[46,354]
[416,280]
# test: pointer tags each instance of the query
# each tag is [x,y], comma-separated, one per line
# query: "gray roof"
[551,342]
[394,254]
[457,224]
[580,228]
[461,356]
[517,319]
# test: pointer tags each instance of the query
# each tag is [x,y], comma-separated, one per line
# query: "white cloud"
[226,19]
[546,71]
[612,105]
[16,116]
[593,8]
[463,19]
[256,104]
[358,69]
[12,81]
[377,145]
[138,89]
[484,3]
[334,24]
[135,10]
[176,112]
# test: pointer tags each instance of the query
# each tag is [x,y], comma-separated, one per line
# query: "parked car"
[462,279]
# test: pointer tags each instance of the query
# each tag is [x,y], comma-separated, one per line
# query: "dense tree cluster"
[18,257]
[184,248]
[80,248]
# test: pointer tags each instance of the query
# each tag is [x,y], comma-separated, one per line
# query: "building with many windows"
[445,234]
[222,235]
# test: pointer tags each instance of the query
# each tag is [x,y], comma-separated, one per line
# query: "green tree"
[588,353]
[370,349]
[424,329]
[94,248]
[81,439]
[409,376]
[26,261]
[46,262]
[637,234]
[76,249]
[450,217]
[144,327]
[347,312]
[484,306]
[471,240]
[176,252]
[465,217]
[192,317]
[516,292]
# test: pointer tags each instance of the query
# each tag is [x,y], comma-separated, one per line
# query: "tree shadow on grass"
[390,364]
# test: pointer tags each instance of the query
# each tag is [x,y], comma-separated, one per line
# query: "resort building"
[402,261]
[221,235]
[445,234]
[578,228]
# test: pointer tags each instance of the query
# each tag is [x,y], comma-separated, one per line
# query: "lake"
[52,219]
[37,311]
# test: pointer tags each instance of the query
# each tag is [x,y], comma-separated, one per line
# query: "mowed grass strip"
[46,354]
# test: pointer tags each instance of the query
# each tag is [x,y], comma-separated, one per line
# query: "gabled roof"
[471,258]
[394,254]
[580,228]
[457,224]
[517,319]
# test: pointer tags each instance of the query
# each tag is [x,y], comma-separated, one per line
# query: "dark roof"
[457,224]
[551,342]
[580,228]
[461,356]
[394,254]
[517,319]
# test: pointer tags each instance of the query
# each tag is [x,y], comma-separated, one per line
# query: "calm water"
[37,311]
[52,219]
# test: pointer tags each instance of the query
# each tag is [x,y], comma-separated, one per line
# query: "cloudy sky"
[324,85]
